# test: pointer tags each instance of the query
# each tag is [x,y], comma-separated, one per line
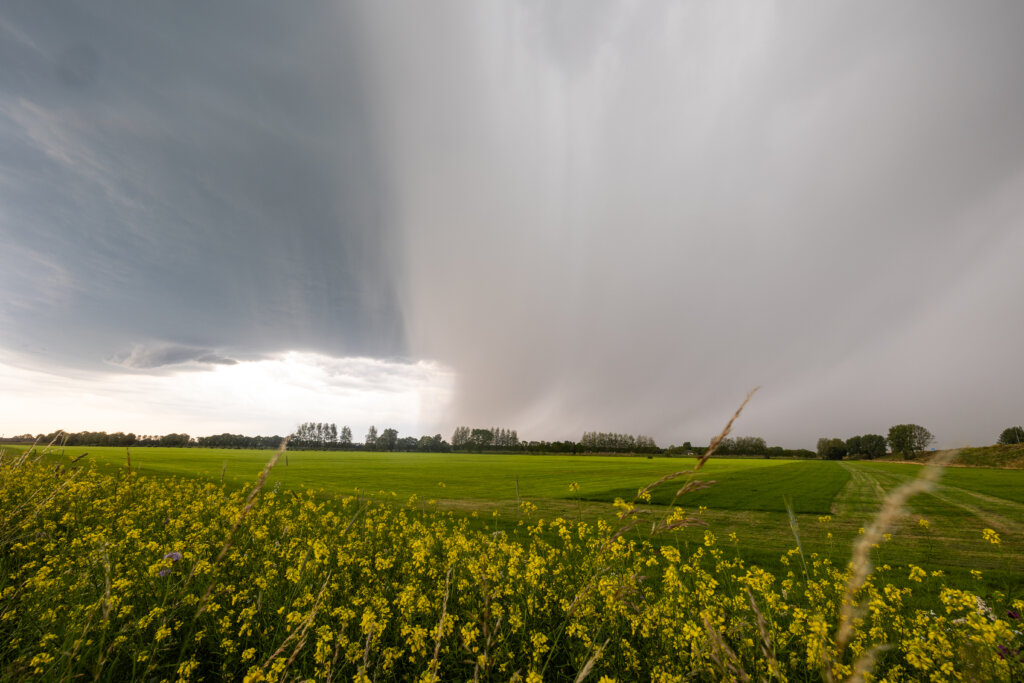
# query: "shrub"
[1011,436]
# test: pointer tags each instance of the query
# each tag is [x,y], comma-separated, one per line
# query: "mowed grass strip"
[1007,484]
[809,486]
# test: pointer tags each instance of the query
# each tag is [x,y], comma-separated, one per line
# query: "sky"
[552,217]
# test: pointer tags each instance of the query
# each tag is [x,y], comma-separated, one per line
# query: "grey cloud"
[151,357]
[216,359]
[204,178]
[78,65]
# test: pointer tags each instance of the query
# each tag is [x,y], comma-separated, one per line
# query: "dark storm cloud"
[201,177]
[601,215]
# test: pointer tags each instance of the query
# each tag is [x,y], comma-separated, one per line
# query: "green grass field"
[456,476]
[808,487]
[749,497]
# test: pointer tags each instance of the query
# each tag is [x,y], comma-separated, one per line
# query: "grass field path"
[863,493]
[867,488]
[990,510]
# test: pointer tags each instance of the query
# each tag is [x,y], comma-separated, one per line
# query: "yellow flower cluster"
[115,578]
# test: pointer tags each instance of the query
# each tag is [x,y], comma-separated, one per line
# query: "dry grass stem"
[873,535]
[865,663]
[45,450]
[678,524]
[794,526]
[440,624]
[299,632]
[585,671]
[366,651]
[27,452]
[723,655]
[767,647]
[667,478]
[717,441]
[692,486]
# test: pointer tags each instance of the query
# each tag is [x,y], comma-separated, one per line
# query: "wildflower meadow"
[118,576]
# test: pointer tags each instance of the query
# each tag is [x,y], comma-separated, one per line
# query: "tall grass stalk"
[873,535]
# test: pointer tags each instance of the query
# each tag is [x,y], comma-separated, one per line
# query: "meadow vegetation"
[107,573]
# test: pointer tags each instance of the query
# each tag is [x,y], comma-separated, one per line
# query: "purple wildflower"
[173,556]
[1013,614]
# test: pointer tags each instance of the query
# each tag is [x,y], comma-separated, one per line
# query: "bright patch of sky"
[265,397]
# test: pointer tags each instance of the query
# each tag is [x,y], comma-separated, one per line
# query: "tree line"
[610,442]
[325,436]
[479,440]
[173,440]
[902,439]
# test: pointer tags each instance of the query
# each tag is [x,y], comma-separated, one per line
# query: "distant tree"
[479,439]
[388,440]
[908,439]
[831,449]
[371,438]
[646,444]
[872,445]
[1012,435]
[609,442]
[406,444]
[115,439]
[837,449]
[750,445]
[853,446]
[687,445]
[460,438]
[345,439]
[308,435]
[175,440]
